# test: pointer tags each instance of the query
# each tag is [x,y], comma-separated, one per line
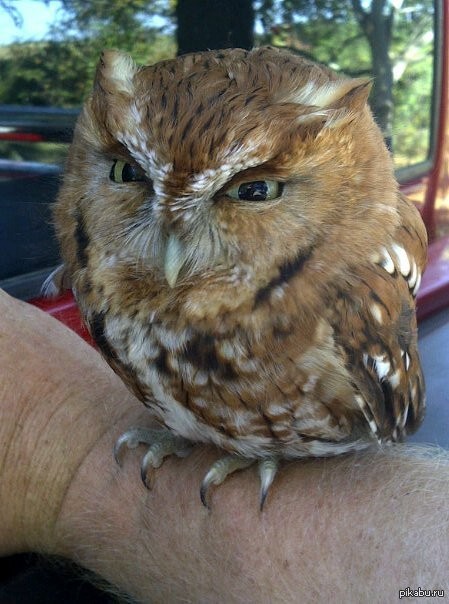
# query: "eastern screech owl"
[242,256]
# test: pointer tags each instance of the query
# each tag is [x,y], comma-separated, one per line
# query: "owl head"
[225,167]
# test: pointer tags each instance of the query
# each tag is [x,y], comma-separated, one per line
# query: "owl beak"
[174,259]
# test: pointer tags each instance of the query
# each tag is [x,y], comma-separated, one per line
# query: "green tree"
[389,40]
[126,24]
[44,74]
[353,35]
[59,71]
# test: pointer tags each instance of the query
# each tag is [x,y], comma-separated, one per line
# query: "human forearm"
[52,385]
[353,529]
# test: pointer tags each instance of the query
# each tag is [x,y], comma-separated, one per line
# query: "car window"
[49,50]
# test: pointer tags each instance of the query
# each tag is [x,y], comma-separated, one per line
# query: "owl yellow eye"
[257,190]
[124,172]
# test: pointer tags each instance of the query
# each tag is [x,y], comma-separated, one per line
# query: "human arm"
[355,528]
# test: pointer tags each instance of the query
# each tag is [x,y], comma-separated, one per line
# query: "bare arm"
[354,529]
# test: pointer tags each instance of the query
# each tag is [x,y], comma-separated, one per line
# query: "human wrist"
[51,391]
[163,545]
[49,442]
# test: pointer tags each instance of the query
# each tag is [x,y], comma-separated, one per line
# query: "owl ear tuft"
[350,104]
[114,89]
[336,103]
[115,72]
[353,94]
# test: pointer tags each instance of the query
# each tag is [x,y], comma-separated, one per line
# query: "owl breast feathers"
[240,252]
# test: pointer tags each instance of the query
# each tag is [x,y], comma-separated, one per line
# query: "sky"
[37,17]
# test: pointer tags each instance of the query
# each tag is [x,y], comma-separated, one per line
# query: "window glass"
[390,41]
[49,49]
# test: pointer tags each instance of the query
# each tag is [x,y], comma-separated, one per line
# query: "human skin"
[356,528]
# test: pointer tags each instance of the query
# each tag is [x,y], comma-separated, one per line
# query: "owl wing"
[374,325]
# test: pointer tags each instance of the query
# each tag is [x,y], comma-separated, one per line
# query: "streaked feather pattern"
[278,327]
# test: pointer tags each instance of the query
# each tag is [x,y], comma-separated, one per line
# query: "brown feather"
[291,327]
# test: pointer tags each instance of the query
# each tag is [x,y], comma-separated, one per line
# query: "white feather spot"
[200,378]
[406,360]
[373,426]
[364,408]
[171,340]
[249,365]
[360,402]
[274,410]
[386,261]
[277,293]
[395,379]
[413,276]
[310,383]
[173,362]
[376,312]
[226,350]
[403,260]
[403,418]
[200,402]
[417,284]
[144,347]
[381,367]
[375,258]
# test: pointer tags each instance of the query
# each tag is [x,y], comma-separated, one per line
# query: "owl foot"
[162,444]
[229,464]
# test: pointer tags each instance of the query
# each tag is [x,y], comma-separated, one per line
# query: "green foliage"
[44,74]
[340,33]
[59,71]
[125,24]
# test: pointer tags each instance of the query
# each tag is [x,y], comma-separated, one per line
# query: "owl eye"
[257,190]
[123,172]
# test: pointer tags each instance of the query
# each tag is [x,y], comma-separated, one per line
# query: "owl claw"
[219,471]
[132,438]
[161,444]
[267,471]
[168,444]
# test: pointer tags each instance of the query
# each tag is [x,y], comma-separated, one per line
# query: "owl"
[242,256]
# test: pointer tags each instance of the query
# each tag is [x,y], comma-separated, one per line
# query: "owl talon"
[267,471]
[219,471]
[150,462]
[168,444]
[132,438]
[161,444]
